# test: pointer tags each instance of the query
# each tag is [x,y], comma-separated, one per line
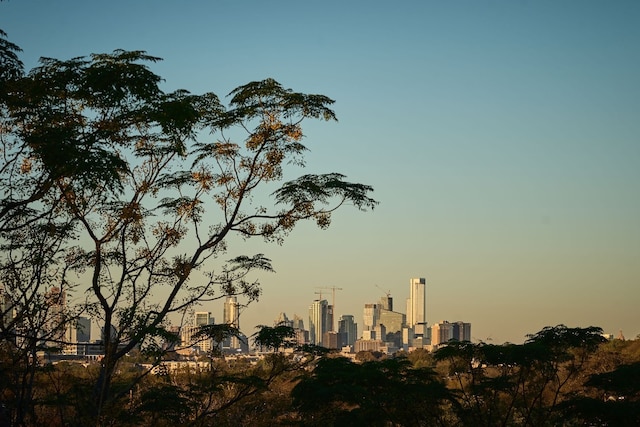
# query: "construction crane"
[333,297]
[387,293]
[388,303]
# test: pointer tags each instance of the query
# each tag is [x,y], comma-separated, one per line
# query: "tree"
[274,338]
[509,383]
[142,201]
[33,276]
[374,393]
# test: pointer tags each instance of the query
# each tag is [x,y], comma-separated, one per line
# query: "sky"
[502,139]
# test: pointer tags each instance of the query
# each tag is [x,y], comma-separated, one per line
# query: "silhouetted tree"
[517,384]
[138,202]
[375,393]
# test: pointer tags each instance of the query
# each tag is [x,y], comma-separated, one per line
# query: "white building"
[417,306]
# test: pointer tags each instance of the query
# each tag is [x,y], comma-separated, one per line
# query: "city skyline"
[501,140]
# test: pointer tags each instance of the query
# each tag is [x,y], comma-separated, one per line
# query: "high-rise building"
[333,340]
[231,316]
[441,333]
[370,316]
[392,320]
[77,332]
[386,302]
[461,331]
[55,328]
[417,306]
[203,318]
[319,320]
[349,327]
[298,323]
[231,312]
[189,333]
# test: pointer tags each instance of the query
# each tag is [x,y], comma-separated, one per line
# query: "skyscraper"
[417,306]
[231,312]
[348,326]
[461,331]
[441,332]
[319,316]
[189,333]
[370,316]
[231,316]
[54,328]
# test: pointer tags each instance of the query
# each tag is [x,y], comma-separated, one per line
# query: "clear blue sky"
[502,138]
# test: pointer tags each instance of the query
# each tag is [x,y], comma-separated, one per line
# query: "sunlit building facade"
[417,306]
[319,320]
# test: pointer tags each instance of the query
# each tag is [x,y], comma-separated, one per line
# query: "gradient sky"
[502,139]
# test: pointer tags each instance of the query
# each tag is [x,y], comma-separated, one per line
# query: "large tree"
[142,189]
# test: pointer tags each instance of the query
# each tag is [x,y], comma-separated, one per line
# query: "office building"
[77,334]
[320,318]
[370,316]
[461,331]
[297,322]
[417,306]
[53,332]
[444,331]
[189,333]
[392,320]
[231,316]
[386,302]
[348,326]
[203,318]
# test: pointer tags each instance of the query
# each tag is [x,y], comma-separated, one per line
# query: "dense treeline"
[559,376]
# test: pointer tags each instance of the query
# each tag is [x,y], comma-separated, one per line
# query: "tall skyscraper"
[417,306]
[231,316]
[231,312]
[348,326]
[54,329]
[370,316]
[319,317]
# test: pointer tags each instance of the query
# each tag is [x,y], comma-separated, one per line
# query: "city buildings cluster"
[383,329]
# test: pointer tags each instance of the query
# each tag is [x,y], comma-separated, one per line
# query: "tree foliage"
[129,194]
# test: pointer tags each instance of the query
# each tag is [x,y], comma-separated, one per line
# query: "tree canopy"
[116,192]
